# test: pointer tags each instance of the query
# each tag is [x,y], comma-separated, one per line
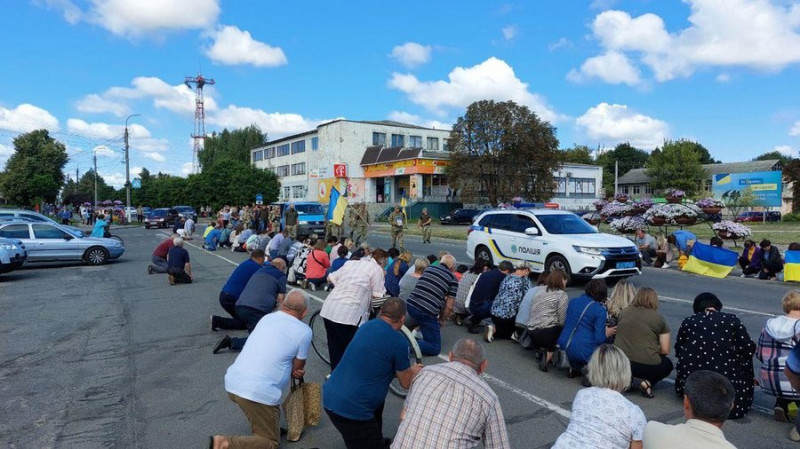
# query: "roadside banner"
[711,261]
[791,269]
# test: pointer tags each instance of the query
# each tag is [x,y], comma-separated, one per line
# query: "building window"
[269,153]
[283,150]
[636,189]
[648,190]
[398,140]
[299,146]
[415,142]
[315,143]
[298,192]
[286,192]
[582,187]
[433,144]
[445,145]
[283,170]
[624,190]
[561,186]
[299,169]
[258,155]
[379,139]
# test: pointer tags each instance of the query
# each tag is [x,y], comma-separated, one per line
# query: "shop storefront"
[414,174]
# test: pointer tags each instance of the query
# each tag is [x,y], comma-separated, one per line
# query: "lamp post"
[128,169]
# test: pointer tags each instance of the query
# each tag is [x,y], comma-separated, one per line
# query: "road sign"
[259,199]
[136,183]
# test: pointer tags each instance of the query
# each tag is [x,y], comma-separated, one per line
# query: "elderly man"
[179,267]
[707,401]
[263,292]
[431,302]
[397,220]
[647,246]
[355,393]
[233,289]
[277,349]
[450,405]
[348,305]
[159,257]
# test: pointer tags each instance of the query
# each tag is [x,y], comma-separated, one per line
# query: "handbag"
[469,293]
[293,409]
[560,359]
[312,403]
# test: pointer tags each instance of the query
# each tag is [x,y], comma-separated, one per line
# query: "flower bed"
[710,205]
[727,229]
[674,195]
[599,204]
[628,225]
[615,209]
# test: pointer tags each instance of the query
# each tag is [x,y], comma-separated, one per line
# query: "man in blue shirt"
[179,268]
[681,239]
[233,288]
[354,395]
[212,238]
[486,288]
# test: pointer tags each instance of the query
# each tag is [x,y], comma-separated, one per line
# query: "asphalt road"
[113,357]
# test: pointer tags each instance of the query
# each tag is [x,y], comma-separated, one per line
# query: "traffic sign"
[136,183]
[259,199]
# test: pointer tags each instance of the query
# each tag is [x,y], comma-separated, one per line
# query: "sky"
[720,72]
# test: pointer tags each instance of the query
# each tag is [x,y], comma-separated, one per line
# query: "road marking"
[507,386]
[686,301]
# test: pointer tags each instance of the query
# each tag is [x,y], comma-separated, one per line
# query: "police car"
[550,239]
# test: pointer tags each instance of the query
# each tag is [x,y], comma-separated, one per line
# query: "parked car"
[51,242]
[161,218]
[459,216]
[550,239]
[186,212]
[753,216]
[310,217]
[33,216]
[12,254]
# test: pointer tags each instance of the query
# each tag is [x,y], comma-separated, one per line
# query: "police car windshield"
[566,224]
[308,209]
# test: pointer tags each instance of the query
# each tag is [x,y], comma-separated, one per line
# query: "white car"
[551,239]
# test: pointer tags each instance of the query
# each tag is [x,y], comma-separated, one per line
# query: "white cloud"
[186,168]
[723,78]
[104,130]
[492,79]
[141,17]
[27,117]
[176,98]
[103,151]
[561,43]
[115,179]
[411,54]
[756,34]
[158,157]
[233,46]
[95,104]
[5,153]
[795,131]
[786,150]
[611,124]
[405,117]
[275,124]
[602,4]
[612,67]
[510,32]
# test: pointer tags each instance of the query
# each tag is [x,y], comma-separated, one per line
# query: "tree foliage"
[628,158]
[579,154]
[791,174]
[677,164]
[83,191]
[34,172]
[233,145]
[737,200]
[500,150]
[773,155]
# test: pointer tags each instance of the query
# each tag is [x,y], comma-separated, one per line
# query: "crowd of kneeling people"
[614,342]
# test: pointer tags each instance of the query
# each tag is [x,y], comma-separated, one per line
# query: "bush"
[792,217]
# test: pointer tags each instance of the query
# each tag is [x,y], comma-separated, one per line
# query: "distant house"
[636,183]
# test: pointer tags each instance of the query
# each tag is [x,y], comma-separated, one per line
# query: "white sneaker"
[794,435]
[417,334]
[666,265]
[312,286]
[742,275]
[488,334]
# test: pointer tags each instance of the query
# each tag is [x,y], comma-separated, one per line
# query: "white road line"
[726,308]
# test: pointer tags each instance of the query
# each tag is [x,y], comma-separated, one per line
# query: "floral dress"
[718,342]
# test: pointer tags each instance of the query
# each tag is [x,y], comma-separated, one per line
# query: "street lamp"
[128,169]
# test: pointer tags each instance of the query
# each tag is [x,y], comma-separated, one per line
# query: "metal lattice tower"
[199,134]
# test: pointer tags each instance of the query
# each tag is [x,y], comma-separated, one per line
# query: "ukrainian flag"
[711,261]
[336,207]
[791,269]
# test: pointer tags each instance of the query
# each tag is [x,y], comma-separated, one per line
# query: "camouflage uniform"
[361,220]
[397,220]
[425,223]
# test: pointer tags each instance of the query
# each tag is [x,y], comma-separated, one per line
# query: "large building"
[408,160]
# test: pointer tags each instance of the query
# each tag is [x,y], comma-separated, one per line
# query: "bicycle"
[319,341]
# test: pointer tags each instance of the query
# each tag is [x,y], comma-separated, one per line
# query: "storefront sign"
[340,170]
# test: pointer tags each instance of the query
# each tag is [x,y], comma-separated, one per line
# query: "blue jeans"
[250,316]
[480,311]
[273,253]
[431,343]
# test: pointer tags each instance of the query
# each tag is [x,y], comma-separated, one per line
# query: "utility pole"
[95,181]
[616,178]
[199,134]
[127,170]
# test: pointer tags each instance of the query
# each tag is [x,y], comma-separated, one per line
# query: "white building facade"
[309,164]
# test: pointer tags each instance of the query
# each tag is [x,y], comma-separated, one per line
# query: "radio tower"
[199,134]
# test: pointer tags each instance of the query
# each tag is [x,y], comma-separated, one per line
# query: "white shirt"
[693,434]
[355,284]
[188,226]
[262,370]
[602,419]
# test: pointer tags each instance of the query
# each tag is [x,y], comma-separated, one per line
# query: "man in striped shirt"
[450,406]
[431,302]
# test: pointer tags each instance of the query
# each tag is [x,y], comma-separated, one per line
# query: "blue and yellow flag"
[336,207]
[791,269]
[711,261]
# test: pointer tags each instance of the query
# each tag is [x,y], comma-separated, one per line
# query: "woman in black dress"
[716,341]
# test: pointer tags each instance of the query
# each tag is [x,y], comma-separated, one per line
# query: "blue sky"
[722,72]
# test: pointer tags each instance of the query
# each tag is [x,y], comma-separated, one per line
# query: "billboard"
[767,186]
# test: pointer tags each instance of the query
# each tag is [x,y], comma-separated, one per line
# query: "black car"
[161,218]
[459,216]
[187,212]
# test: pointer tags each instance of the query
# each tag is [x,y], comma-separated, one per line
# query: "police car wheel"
[483,252]
[559,263]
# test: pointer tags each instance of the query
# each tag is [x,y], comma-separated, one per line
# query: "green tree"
[83,190]
[628,158]
[677,165]
[773,155]
[579,154]
[500,150]
[791,174]
[736,200]
[34,172]
[234,145]
[231,182]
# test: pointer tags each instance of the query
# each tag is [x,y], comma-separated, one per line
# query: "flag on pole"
[791,269]
[336,207]
[403,204]
[711,261]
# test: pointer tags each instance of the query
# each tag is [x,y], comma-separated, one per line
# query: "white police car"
[551,239]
